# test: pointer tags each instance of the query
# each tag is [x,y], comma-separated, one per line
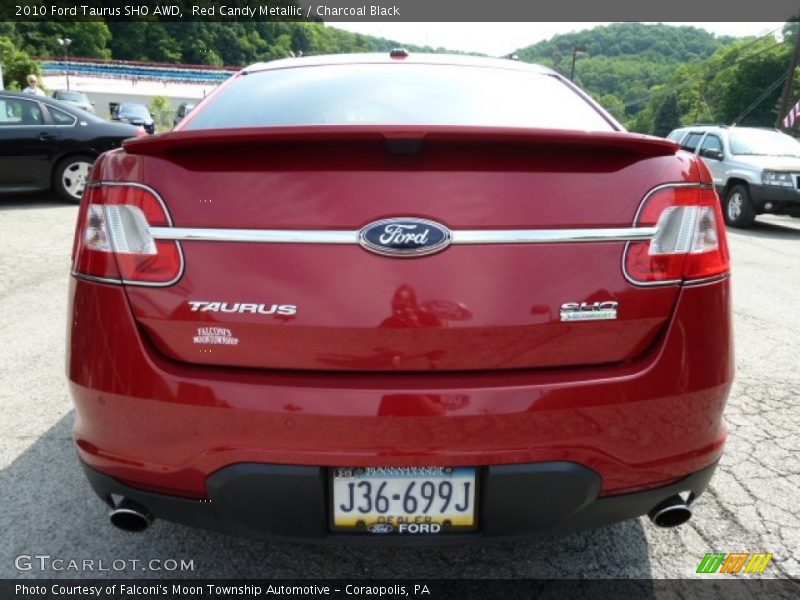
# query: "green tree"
[162,112]
[738,83]
[614,105]
[89,38]
[16,65]
[667,116]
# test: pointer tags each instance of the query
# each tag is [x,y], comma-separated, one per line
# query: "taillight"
[113,241]
[690,241]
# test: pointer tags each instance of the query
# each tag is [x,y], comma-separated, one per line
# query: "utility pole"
[789,83]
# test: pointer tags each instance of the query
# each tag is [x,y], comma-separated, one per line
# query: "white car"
[755,170]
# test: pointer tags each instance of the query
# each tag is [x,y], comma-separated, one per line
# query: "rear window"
[137,110]
[676,135]
[690,143]
[405,94]
[72,96]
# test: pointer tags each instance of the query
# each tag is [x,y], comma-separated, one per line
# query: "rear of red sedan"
[369,298]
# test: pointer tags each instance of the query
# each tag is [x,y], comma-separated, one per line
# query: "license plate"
[403,500]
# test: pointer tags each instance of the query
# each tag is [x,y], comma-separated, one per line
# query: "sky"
[497,39]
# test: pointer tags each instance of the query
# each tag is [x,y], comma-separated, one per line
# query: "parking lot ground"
[46,507]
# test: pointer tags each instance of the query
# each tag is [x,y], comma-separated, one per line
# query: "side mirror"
[712,154]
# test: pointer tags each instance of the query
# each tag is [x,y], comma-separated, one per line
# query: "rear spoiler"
[408,138]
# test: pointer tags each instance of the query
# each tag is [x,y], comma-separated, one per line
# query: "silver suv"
[755,170]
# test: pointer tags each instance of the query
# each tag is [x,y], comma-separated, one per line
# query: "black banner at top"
[398,10]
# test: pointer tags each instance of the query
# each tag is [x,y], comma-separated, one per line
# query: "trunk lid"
[468,307]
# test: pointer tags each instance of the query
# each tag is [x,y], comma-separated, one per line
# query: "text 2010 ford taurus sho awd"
[378,297]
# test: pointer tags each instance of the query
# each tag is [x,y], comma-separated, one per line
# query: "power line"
[691,78]
[761,98]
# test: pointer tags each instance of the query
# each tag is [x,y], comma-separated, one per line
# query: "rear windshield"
[399,94]
[74,96]
[138,110]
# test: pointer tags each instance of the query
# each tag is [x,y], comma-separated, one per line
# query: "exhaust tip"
[671,512]
[129,516]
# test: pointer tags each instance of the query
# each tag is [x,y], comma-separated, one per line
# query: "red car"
[381,297]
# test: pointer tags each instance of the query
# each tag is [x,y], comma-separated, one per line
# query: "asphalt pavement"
[48,509]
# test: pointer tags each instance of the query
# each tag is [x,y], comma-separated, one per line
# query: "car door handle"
[48,136]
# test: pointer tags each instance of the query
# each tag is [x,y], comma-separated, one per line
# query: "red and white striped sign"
[793,116]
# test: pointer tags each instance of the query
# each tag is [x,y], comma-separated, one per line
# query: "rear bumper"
[290,502]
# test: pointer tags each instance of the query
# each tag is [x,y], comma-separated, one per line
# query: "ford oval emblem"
[380,528]
[405,237]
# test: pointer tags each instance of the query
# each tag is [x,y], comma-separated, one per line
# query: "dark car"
[183,110]
[74,98]
[48,144]
[135,114]
[369,296]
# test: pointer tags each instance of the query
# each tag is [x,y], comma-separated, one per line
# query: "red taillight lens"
[113,239]
[690,242]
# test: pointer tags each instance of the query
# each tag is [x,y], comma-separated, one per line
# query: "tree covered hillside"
[654,78]
[651,77]
[624,61]
[229,43]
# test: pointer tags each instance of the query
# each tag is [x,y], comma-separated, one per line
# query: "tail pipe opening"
[671,512]
[130,516]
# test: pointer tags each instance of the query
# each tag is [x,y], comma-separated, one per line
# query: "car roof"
[61,105]
[718,129]
[409,58]
[702,128]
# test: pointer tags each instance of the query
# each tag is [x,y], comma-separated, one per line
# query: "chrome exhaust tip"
[129,516]
[671,512]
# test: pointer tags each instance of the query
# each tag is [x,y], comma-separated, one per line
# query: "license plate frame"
[475,472]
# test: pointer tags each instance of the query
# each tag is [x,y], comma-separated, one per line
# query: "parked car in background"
[755,170]
[78,99]
[183,110]
[135,114]
[48,144]
[370,296]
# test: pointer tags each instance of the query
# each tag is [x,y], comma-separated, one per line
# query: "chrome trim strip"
[265,236]
[546,236]
[711,279]
[95,278]
[463,236]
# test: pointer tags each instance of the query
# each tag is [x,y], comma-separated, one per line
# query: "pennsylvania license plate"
[404,499]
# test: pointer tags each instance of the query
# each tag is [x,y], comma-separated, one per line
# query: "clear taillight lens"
[113,240]
[690,242]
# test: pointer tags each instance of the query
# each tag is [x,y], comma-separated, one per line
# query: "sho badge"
[589,311]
